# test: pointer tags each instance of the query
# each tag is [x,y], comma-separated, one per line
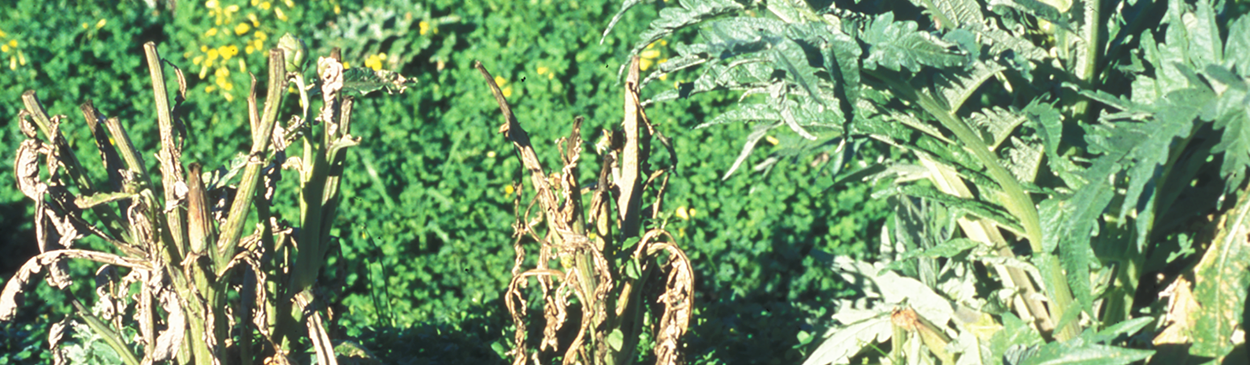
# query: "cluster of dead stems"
[204,289]
[608,277]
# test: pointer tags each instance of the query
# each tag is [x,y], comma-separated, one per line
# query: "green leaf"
[616,339]
[956,87]
[1237,44]
[1232,115]
[953,14]
[1126,328]
[844,342]
[362,81]
[897,45]
[1015,332]
[1221,280]
[1079,352]
[673,18]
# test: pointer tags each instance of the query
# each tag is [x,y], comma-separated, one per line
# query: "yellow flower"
[211,4]
[242,28]
[281,16]
[375,61]
[100,24]
[336,9]
[222,73]
[4,48]
[260,36]
[289,3]
[252,17]
[772,140]
[507,91]
[647,58]
[508,190]
[3,34]
[210,32]
[424,27]
[500,81]
[265,5]
[681,213]
[542,70]
[249,49]
[84,25]
[13,43]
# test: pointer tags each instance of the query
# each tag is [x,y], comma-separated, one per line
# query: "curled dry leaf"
[167,344]
[55,335]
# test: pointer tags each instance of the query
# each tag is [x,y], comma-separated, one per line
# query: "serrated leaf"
[897,45]
[1232,117]
[970,206]
[1023,159]
[1125,328]
[1080,352]
[845,342]
[1015,332]
[956,87]
[361,81]
[1220,282]
[953,13]
[673,18]
[1235,49]
[995,124]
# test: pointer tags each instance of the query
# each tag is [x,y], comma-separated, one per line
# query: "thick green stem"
[232,231]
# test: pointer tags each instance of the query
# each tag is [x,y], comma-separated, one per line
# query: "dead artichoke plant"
[204,289]
[612,257]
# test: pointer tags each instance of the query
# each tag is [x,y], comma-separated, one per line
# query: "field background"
[425,231]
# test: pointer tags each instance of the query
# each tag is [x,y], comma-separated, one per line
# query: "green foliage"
[1138,137]
[420,231]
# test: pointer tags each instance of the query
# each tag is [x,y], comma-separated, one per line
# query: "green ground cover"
[425,234]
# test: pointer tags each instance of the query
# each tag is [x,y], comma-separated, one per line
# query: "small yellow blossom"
[13,43]
[197,60]
[337,9]
[663,77]
[101,23]
[772,140]
[500,81]
[281,16]
[211,4]
[289,3]
[84,25]
[249,49]
[3,34]
[12,63]
[210,32]
[508,190]
[507,91]
[423,27]
[265,5]
[4,48]
[252,17]
[542,70]
[260,36]
[222,72]
[241,29]
[693,212]
[681,213]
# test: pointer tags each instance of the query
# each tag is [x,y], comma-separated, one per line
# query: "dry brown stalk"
[585,241]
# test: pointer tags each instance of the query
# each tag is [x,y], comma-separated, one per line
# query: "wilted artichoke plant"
[185,277]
